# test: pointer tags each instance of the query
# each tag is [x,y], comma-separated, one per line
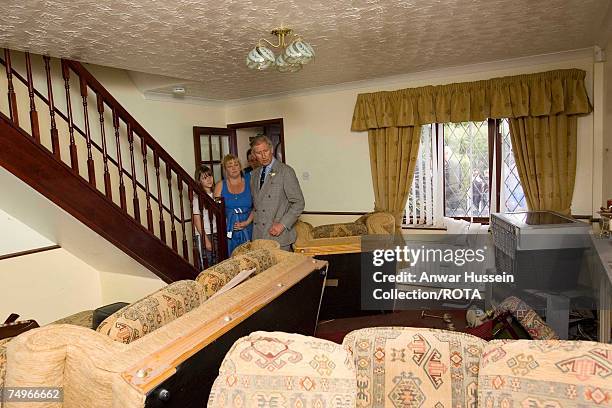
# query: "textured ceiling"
[205,42]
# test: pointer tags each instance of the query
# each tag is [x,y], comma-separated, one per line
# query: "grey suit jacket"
[280,200]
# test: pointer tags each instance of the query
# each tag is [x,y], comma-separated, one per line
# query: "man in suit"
[277,196]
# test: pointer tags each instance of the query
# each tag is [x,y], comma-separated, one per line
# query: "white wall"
[319,141]
[21,237]
[169,122]
[47,286]
[121,287]
[84,256]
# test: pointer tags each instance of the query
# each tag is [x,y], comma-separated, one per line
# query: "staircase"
[66,136]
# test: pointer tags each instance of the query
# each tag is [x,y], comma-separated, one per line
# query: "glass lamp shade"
[260,58]
[283,66]
[298,52]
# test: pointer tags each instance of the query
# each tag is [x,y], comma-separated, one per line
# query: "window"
[512,197]
[464,170]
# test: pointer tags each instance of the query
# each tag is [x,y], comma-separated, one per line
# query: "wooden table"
[335,330]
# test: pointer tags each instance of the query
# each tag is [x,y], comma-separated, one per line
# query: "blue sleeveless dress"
[237,208]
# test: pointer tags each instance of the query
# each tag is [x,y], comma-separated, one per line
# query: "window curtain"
[542,108]
[393,155]
[545,155]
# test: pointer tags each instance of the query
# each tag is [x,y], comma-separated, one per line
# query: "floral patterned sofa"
[410,367]
[341,237]
[90,364]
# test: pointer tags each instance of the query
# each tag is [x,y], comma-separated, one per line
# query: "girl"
[204,176]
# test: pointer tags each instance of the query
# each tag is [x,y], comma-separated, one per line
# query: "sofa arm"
[281,369]
[304,233]
[83,362]
[3,345]
[380,223]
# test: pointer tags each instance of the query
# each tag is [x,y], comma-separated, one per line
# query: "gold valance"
[544,93]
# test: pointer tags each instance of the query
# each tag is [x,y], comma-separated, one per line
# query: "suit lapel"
[268,180]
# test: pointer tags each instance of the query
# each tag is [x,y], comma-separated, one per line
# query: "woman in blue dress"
[236,192]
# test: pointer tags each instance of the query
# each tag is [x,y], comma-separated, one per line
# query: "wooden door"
[211,145]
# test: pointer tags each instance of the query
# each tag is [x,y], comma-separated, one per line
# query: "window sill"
[422,227]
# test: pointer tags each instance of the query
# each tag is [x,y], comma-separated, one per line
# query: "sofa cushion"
[255,244]
[415,367]
[215,277]
[545,373]
[100,314]
[284,370]
[263,259]
[339,230]
[152,312]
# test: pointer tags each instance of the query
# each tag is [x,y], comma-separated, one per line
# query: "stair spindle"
[143,145]
[107,181]
[55,148]
[91,171]
[172,227]
[130,133]
[160,205]
[180,188]
[33,113]
[195,251]
[12,97]
[74,160]
[122,197]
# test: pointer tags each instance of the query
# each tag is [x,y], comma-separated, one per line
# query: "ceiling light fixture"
[291,58]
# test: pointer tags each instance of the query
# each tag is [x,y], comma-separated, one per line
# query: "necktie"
[263,176]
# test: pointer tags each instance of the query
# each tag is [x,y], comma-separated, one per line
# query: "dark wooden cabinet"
[344,289]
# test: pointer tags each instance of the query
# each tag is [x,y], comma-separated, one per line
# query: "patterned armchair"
[410,367]
[341,237]
[281,370]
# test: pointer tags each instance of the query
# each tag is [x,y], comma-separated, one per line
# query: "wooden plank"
[156,368]
[314,250]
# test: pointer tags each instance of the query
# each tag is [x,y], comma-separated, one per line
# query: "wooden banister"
[37,167]
[163,165]
[72,127]
[124,115]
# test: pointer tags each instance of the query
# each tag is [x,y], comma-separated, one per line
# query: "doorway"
[212,144]
[245,132]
